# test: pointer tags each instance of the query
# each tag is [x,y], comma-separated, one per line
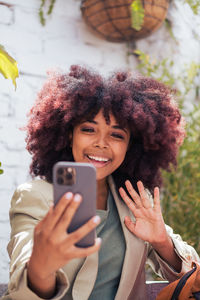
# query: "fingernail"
[77,198]
[69,195]
[96,219]
[98,240]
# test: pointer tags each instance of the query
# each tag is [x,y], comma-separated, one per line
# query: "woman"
[128,128]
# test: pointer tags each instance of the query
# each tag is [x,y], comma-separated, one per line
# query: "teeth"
[98,158]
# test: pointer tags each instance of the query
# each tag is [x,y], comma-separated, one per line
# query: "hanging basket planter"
[112,19]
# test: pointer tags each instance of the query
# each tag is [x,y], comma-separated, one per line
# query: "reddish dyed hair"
[142,104]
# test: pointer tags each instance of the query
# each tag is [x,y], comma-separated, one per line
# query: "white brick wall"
[65,40]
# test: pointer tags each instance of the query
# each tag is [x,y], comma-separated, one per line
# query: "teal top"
[111,254]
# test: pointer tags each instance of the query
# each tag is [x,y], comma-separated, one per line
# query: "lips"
[97,160]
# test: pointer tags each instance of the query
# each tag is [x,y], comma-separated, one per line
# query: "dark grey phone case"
[85,184]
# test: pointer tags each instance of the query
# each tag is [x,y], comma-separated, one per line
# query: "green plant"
[181,192]
[181,196]
[137,14]
[49,11]
[194,5]
[1,171]
[162,70]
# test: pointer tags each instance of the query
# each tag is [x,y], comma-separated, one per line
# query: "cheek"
[121,152]
[75,149]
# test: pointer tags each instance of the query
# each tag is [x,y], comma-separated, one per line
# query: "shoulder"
[36,193]
[37,186]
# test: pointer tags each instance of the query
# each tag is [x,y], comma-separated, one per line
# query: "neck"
[102,194]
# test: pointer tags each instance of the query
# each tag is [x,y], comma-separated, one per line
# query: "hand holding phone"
[53,247]
[77,178]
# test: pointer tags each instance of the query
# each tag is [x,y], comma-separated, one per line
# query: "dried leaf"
[8,66]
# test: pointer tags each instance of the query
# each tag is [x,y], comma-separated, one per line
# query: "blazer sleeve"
[28,207]
[186,253]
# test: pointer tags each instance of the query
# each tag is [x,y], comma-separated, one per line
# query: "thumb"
[129,224]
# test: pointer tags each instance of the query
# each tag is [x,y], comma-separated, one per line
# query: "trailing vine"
[49,11]
[1,171]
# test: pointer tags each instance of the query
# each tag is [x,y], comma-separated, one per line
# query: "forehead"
[104,117]
[99,119]
[109,119]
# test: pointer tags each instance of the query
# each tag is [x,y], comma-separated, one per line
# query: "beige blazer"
[76,280]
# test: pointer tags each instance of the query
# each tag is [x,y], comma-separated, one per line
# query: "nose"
[101,143]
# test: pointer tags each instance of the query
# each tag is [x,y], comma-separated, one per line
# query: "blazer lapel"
[135,248]
[85,278]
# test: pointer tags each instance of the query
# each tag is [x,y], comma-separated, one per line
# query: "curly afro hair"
[142,104]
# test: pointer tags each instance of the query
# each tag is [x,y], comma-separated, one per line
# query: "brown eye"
[87,129]
[118,136]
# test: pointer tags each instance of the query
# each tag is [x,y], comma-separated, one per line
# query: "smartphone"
[77,178]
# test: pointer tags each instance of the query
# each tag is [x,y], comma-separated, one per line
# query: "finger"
[78,234]
[57,211]
[68,214]
[129,224]
[143,195]
[133,193]
[126,199]
[83,252]
[156,198]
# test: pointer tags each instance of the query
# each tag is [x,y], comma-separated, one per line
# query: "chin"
[101,177]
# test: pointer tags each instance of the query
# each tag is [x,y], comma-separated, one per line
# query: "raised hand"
[53,247]
[149,224]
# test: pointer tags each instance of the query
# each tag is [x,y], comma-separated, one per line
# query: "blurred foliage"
[181,196]
[163,71]
[8,66]
[49,10]
[181,192]
[194,5]
[137,14]
[1,171]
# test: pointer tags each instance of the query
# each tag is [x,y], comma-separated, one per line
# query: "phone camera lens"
[60,180]
[60,171]
[69,176]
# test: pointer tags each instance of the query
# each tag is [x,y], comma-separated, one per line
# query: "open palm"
[149,224]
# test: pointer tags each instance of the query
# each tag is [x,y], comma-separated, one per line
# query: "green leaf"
[41,10]
[192,71]
[1,171]
[8,66]
[51,6]
[137,14]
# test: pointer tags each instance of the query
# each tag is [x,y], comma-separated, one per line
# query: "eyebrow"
[114,126]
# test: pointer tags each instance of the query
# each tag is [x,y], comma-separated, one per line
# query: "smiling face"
[103,145]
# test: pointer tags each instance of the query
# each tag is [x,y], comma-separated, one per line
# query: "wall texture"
[65,40]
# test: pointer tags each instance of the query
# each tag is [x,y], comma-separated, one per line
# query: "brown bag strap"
[181,283]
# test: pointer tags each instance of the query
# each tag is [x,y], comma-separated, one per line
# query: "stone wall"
[65,40]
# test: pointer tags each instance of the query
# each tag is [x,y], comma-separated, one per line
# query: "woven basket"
[111,19]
